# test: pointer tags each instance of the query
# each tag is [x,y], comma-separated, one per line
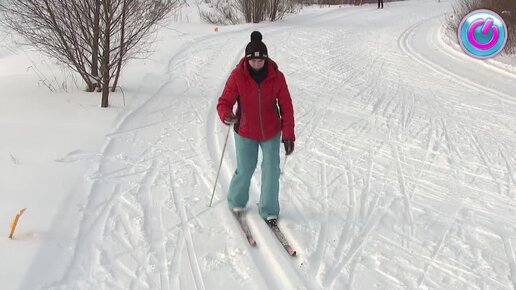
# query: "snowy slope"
[402,178]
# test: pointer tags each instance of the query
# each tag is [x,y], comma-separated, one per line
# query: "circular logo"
[482,34]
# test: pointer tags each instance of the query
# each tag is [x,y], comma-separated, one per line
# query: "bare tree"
[92,37]
[95,11]
[235,11]
[276,9]
[222,13]
[48,25]
[253,10]
[274,5]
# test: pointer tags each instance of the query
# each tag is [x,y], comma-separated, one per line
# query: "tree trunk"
[122,46]
[106,54]
[273,10]
[95,45]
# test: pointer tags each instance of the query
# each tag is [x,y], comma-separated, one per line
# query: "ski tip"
[292,252]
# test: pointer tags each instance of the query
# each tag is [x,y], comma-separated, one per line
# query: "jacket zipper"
[260,109]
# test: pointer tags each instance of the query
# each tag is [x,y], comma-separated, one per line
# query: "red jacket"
[264,110]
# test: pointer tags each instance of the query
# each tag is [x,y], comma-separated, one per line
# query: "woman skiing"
[263,118]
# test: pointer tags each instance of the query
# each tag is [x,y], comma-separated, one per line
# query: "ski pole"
[220,165]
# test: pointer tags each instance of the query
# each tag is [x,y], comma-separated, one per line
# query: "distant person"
[380,4]
[263,118]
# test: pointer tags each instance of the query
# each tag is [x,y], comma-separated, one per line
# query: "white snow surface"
[403,176]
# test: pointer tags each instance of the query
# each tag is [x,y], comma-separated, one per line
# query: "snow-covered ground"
[403,175]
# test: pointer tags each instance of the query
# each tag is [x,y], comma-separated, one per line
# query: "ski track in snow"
[401,177]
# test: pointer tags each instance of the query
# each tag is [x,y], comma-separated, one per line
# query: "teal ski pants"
[247,157]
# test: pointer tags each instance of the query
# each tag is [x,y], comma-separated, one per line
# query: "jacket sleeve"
[286,110]
[228,97]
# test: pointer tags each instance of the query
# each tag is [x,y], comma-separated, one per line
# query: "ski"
[281,237]
[240,216]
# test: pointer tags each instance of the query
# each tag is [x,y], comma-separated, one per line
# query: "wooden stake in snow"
[14,222]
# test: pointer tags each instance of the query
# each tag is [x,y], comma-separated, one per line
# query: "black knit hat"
[256,48]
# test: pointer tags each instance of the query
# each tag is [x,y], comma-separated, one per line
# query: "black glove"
[289,146]
[230,118]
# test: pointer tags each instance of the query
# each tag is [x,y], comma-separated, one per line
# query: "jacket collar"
[272,68]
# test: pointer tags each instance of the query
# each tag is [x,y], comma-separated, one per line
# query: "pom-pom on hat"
[256,48]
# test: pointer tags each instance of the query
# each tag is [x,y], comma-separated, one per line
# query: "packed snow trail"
[403,174]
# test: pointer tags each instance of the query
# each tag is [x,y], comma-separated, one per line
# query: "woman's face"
[257,63]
